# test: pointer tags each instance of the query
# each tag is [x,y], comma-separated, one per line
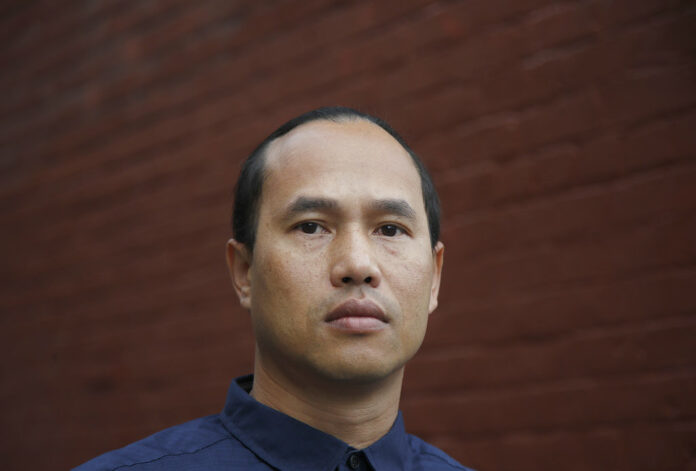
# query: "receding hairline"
[338,121]
[248,189]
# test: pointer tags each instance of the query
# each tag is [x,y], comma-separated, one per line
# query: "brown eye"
[389,230]
[309,227]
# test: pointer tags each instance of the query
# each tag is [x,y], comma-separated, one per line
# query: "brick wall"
[560,134]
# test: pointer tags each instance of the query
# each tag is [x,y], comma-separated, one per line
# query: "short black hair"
[250,183]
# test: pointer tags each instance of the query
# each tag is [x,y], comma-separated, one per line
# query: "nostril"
[348,279]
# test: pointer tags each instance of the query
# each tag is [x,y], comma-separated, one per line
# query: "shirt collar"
[286,443]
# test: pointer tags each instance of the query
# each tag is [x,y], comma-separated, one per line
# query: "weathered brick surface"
[561,136]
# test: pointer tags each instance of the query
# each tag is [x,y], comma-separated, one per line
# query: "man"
[336,256]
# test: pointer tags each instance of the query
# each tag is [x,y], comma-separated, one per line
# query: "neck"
[358,414]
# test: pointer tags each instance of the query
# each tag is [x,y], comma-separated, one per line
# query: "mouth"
[359,316]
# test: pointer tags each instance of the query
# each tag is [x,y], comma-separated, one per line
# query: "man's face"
[343,276]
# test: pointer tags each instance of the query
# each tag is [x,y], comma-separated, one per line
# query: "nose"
[353,262]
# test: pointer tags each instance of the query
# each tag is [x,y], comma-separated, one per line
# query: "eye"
[390,230]
[308,227]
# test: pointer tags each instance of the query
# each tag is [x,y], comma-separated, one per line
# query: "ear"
[438,259]
[239,262]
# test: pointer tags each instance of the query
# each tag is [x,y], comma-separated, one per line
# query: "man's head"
[250,183]
[344,271]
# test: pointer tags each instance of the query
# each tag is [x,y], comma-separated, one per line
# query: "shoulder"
[429,457]
[201,441]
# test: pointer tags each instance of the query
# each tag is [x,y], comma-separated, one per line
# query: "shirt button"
[354,461]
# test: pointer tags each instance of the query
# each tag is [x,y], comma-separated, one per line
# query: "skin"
[341,218]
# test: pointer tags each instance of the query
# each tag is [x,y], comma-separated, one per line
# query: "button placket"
[354,461]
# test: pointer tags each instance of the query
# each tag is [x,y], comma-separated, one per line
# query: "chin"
[358,372]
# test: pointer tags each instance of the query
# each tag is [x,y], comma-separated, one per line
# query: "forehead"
[351,158]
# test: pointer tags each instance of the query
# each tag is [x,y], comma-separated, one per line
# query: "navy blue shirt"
[250,436]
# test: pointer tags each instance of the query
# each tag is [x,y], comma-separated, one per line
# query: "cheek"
[410,282]
[283,280]
[411,278]
[272,279]
[273,300]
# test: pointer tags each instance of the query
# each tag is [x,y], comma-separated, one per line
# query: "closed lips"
[357,308]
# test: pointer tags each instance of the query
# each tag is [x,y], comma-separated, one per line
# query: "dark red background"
[560,134]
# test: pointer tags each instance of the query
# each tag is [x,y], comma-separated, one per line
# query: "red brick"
[599,304]
[581,403]
[560,134]
[624,448]
[609,352]
[565,165]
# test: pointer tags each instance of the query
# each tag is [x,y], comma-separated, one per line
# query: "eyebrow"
[304,204]
[397,207]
